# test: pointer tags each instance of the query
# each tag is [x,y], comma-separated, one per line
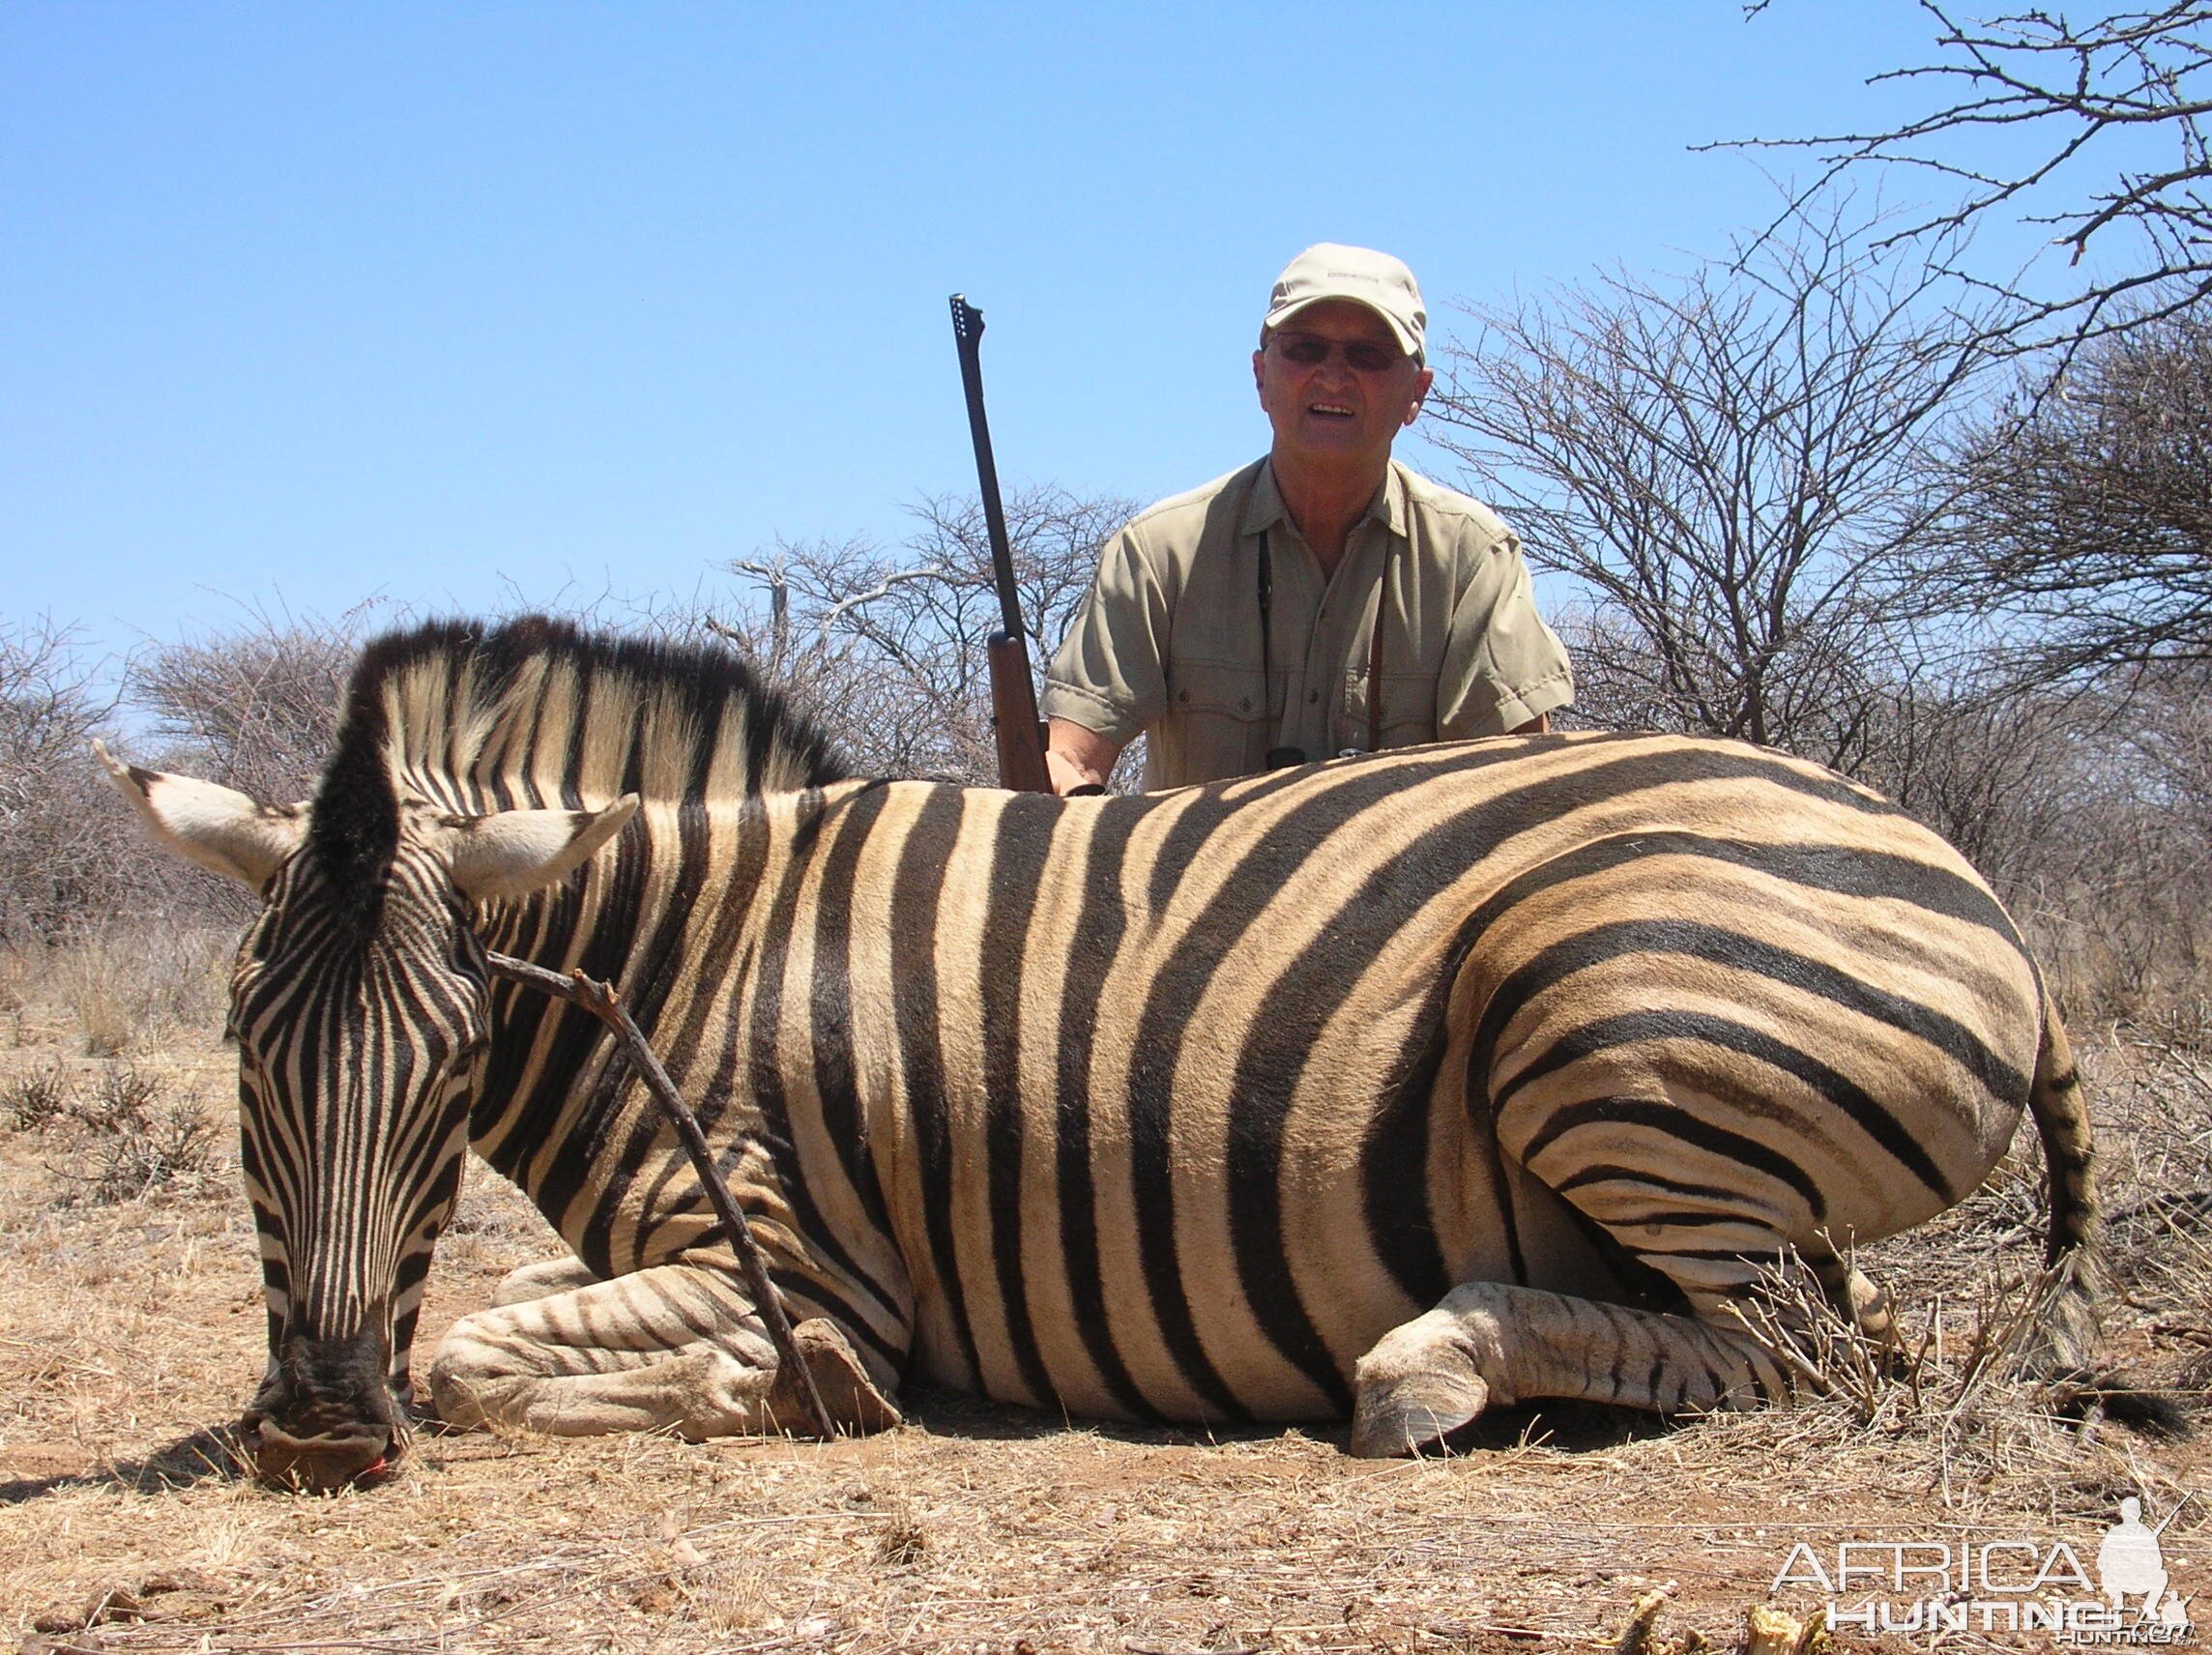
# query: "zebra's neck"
[680,915]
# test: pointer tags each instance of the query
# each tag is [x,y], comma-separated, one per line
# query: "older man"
[1323,600]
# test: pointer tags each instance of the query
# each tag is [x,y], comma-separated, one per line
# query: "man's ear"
[216,826]
[511,851]
[1421,393]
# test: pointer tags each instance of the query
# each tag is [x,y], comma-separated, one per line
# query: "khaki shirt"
[1168,641]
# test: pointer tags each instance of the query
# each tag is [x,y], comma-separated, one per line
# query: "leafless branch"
[1731,467]
[2080,86]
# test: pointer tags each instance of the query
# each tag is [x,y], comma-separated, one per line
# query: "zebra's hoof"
[854,1402]
[1393,1421]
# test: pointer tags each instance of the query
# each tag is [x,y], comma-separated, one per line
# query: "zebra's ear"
[216,826]
[511,851]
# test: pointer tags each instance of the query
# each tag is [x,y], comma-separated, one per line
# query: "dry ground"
[130,1330]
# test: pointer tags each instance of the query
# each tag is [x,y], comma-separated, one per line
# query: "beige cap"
[1383,284]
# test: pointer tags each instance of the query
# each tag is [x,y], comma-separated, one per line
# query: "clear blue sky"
[460,303]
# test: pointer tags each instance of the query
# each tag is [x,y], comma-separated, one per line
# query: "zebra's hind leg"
[1491,1342]
[542,1280]
[675,1348]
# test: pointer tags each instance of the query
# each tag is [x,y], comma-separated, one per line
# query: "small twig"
[1636,1636]
[601,1001]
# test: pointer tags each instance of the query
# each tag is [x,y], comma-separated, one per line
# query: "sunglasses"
[1311,350]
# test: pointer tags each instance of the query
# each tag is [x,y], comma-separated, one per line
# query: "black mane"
[534,712]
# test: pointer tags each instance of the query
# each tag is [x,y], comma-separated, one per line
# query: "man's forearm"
[1076,756]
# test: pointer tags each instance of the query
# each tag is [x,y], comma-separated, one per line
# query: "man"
[1320,600]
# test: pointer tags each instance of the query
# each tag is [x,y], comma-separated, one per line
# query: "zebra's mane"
[535,713]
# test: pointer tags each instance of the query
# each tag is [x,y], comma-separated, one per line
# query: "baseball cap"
[1329,269]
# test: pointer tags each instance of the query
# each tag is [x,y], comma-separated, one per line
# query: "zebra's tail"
[2073,1250]
[2063,1344]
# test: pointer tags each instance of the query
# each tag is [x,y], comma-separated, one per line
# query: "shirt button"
[1313,696]
[1245,705]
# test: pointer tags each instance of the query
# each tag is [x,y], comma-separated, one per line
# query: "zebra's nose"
[321,1461]
[325,1416]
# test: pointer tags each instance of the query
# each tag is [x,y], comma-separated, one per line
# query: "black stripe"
[1608,1171]
[1845,870]
[1394,1159]
[844,1120]
[1740,952]
[767,1072]
[1676,1123]
[914,894]
[1017,870]
[1732,949]
[736,890]
[1095,940]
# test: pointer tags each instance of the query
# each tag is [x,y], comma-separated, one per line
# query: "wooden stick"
[601,1001]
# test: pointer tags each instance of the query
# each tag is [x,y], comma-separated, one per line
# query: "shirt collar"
[1264,509]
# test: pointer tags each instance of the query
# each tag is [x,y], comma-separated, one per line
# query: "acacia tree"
[2076,89]
[1731,466]
[885,645]
[2083,509]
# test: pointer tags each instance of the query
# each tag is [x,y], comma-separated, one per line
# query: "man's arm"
[1077,756]
[1505,671]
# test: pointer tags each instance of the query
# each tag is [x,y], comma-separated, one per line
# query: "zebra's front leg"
[1490,1343]
[676,1347]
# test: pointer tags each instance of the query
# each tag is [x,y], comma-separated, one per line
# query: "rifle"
[1013,693]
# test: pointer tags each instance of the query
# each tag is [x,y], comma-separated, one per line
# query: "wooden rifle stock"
[1014,722]
[1013,692]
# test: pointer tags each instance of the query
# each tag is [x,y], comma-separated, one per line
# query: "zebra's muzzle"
[326,1417]
[322,1463]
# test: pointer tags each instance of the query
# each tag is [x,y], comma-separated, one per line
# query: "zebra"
[1392,1088]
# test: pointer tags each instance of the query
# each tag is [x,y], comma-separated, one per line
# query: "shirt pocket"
[1409,709]
[1223,716]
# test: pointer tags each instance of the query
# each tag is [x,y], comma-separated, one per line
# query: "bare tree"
[887,645]
[2077,87]
[256,709]
[56,854]
[1730,466]
[2084,508]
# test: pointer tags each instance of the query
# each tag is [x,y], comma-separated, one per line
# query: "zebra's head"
[360,1005]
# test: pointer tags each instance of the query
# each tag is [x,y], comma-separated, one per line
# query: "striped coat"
[1390,1089]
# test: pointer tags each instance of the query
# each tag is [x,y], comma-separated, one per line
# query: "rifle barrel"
[968,333]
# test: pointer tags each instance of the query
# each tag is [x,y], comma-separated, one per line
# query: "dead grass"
[129,1332]
[120,988]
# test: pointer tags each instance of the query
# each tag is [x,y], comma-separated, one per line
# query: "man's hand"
[1078,757]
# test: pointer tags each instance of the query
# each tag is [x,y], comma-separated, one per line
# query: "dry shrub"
[175,1145]
[36,1100]
[137,1143]
[122,1102]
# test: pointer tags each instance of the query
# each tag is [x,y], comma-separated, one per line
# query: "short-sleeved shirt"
[1169,639]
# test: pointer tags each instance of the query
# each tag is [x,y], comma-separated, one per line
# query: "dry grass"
[129,1332]
[121,988]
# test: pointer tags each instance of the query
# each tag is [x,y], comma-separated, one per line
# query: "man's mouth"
[1331,410]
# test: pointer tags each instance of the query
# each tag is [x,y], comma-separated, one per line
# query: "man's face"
[1336,385]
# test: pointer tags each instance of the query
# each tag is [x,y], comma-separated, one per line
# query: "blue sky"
[456,304]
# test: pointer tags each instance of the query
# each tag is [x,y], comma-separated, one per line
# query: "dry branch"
[600,1000]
